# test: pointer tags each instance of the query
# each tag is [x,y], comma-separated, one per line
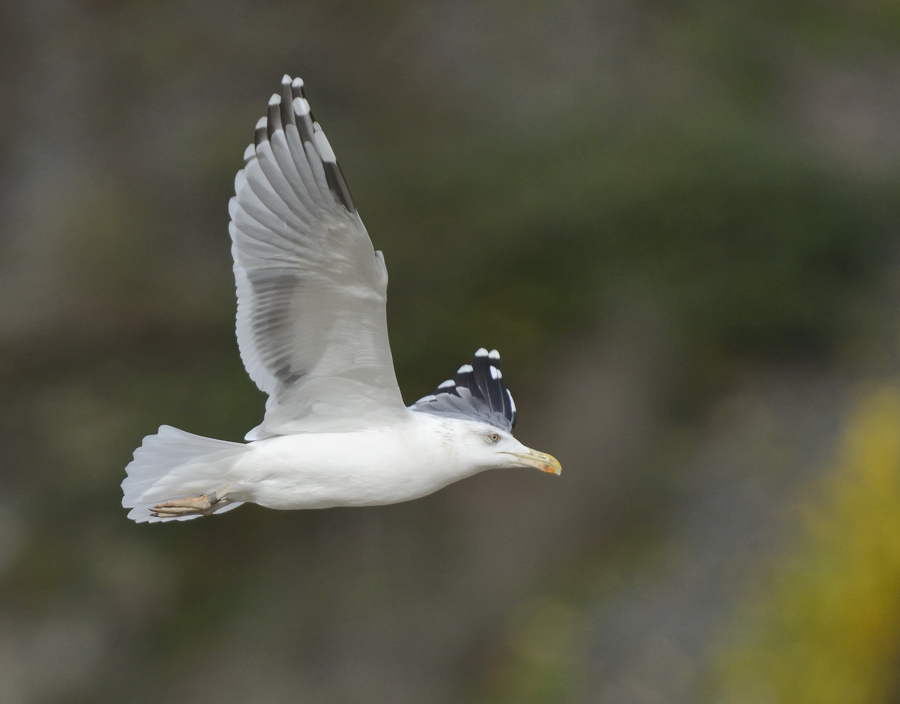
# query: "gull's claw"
[203,505]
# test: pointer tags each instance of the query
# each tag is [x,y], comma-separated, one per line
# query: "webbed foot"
[204,505]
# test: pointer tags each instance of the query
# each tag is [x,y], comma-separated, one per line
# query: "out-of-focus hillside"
[678,222]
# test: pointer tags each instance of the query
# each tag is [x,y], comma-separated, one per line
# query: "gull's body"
[403,461]
[312,334]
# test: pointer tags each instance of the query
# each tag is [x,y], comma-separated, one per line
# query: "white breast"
[367,467]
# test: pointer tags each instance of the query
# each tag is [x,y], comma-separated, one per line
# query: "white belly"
[358,468]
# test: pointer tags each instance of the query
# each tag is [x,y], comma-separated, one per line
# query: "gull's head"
[485,446]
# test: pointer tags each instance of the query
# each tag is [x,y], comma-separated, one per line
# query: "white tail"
[172,465]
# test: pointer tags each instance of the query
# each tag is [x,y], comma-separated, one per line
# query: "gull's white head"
[481,446]
[482,414]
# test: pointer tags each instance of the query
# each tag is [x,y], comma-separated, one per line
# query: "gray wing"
[311,289]
[477,392]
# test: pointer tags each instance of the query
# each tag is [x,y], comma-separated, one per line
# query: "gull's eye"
[493,437]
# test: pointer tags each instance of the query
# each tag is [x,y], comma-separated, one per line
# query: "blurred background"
[678,221]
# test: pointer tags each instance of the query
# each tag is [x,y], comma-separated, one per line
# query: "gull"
[312,333]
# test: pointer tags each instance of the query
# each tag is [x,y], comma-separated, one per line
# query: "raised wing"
[311,289]
[477,392]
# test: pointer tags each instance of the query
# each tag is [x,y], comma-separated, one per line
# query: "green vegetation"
[824,624]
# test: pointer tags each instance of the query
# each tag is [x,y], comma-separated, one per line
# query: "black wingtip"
[338,185]
[477,392]
[297,88]
[287,101]
[489,379]
[273,123]
[298,91]
[465,378]
[261,133]
[283,112]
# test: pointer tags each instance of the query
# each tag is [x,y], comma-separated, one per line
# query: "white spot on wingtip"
[446,384]
[512,404]
[275,99]
[481,352]
[465,369]
[262,122]
[285,79]
[495,373]
[301,107]
[297,82]
[494,354]
[323,146]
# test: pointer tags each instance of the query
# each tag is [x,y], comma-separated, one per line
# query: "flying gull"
[312,334]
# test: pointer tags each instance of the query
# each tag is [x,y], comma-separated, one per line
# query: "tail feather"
[174,464]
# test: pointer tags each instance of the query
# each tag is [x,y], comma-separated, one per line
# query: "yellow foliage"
[827,628]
